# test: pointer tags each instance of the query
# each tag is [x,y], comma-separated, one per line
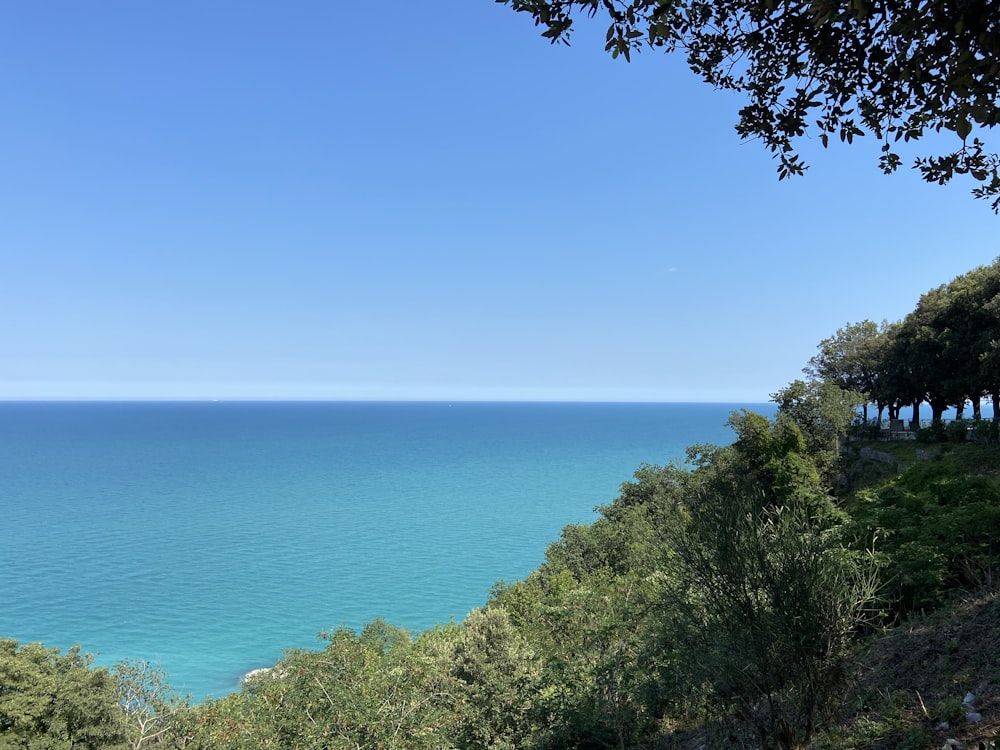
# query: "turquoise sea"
[207,537]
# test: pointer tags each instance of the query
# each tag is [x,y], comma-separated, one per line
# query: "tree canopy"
[896,69]
[51,700]
[945,352]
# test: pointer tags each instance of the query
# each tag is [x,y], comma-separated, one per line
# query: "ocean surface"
[207,537]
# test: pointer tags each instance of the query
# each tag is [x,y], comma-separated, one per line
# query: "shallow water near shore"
[207,537]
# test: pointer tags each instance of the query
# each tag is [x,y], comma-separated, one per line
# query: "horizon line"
[272,400]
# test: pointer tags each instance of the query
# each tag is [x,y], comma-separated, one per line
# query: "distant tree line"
[945,353]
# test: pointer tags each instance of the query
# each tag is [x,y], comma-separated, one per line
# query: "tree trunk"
[938,405]
[995,425]
[915,420]
[977,410]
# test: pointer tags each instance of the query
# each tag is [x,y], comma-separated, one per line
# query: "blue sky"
[425,200]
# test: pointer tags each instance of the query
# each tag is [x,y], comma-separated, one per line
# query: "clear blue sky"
[418,200]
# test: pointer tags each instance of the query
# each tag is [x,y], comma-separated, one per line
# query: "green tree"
[606,677]
[934,339]
[771,456]
[943,352]
[823,411]
[850,359]
[898,384]
[977,297]
[594,684]
[500,674]
[53,701]
[626,538]
[893,68]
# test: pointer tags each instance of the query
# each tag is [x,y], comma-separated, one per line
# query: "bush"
[765,610]
[950,710]
[958,431]
[980,431]
[935,432]
[937,527]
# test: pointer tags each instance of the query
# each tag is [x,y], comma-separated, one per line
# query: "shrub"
[765,609]
[937,527]
[957,431]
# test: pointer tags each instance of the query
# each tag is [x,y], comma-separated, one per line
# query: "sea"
[207,537]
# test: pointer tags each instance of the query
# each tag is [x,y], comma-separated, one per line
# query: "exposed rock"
[971,714]
[256,674]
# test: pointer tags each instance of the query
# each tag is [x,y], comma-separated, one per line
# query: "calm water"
[208,536]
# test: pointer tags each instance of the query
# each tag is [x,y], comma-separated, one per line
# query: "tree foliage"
[51,700]
[946,352]
[499,676]
[851,359]
[379,689]
[822,410]
[896,69]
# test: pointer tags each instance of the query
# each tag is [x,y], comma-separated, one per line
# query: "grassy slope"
[915,677]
